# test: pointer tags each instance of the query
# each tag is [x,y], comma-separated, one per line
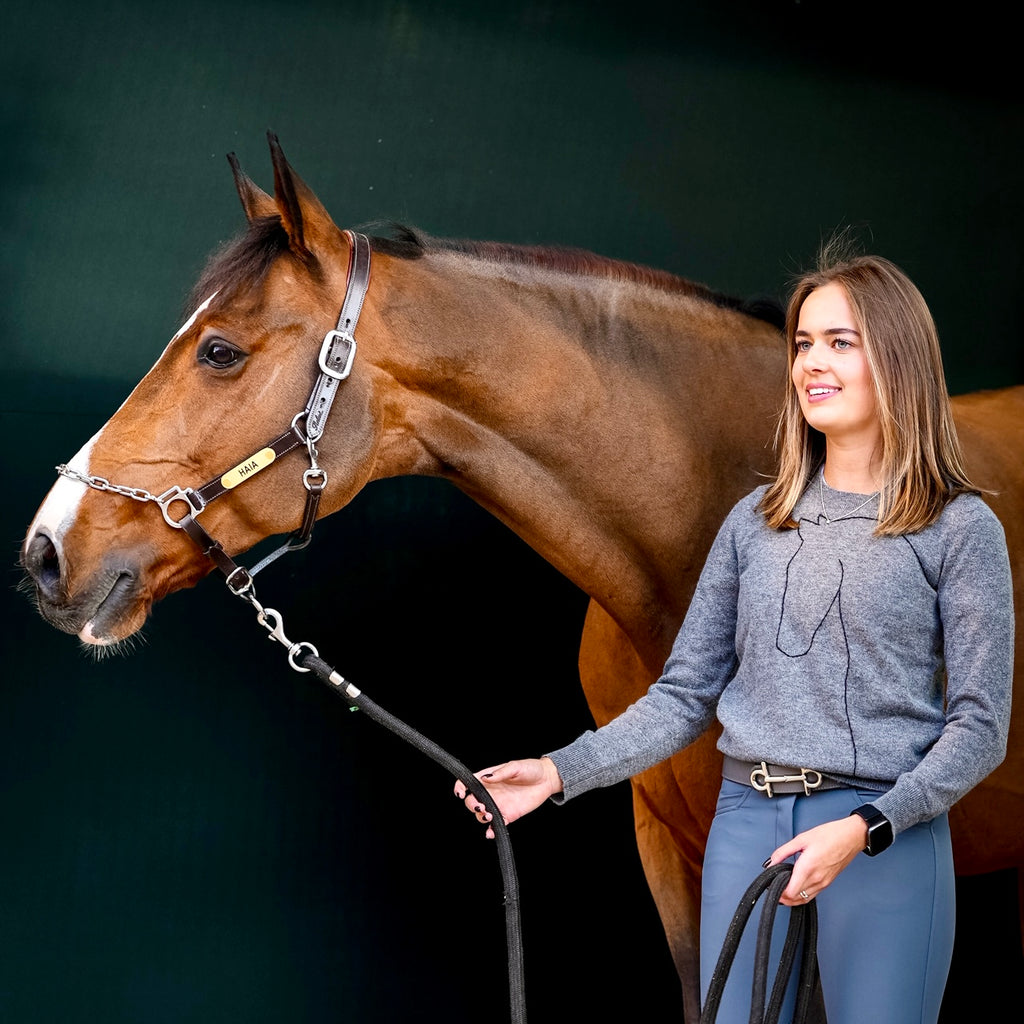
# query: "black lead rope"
[802,936]
[306,659]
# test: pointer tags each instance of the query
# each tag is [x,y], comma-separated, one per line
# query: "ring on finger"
[803,895]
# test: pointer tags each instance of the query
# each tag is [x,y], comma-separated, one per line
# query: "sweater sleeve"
[975,601]
[681,704]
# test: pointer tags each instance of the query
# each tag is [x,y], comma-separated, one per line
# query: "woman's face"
[830,370]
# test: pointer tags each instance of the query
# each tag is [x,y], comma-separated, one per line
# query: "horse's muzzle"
[99,611]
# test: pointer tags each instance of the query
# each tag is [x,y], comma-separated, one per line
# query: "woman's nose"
[816,357]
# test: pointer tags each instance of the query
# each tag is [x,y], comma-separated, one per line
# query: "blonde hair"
[922,465]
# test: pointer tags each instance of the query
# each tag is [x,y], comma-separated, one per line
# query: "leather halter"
[337,353]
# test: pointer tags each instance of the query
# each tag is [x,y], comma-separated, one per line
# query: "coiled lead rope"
[801,937]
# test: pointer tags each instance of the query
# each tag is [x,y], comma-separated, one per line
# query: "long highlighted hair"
[922,465]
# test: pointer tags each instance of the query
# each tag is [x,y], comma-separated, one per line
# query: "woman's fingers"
[514,787]
[821,853]
[487,776]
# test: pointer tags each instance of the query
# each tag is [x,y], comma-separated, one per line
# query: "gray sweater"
[884,662]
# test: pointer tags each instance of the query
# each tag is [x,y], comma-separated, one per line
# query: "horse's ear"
[304,218]
[286,194]
[255,201]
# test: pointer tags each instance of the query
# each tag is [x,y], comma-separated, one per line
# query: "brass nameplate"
[244,470]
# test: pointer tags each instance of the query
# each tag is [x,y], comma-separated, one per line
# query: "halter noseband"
[337,353]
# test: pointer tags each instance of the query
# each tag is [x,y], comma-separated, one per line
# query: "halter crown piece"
[337,354]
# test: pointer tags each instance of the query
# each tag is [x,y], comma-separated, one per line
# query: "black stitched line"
[846,676]
[782,610]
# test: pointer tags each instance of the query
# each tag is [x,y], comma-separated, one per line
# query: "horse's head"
[235,375]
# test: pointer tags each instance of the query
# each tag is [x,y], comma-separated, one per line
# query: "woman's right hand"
[517,787]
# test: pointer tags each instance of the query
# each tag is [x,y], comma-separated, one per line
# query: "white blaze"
[192,319]
[58,511]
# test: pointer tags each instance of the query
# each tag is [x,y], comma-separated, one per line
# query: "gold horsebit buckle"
[762,780]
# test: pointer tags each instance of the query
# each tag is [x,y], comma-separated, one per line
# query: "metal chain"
[163,501]
[100,483]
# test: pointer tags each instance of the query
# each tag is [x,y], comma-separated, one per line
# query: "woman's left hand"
[824,851]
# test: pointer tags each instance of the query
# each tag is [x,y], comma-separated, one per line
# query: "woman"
[852,627]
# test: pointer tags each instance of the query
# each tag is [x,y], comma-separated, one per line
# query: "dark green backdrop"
[230,844]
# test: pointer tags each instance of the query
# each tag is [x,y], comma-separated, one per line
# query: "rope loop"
[801,937]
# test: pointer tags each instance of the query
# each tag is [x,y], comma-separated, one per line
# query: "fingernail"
[478,809]
[767,863]
[489,775]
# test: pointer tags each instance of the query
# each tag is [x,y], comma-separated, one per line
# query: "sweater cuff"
[575,768]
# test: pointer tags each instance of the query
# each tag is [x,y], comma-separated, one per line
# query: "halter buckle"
[329,361]
[239,582]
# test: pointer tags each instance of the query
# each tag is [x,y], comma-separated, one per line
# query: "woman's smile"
[818,393]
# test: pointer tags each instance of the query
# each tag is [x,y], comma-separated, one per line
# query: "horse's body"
[609,415]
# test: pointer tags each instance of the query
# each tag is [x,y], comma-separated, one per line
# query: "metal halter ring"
[187,496]
[294,651]
[309,478]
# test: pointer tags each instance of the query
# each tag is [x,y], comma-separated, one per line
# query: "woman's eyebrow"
[829,330]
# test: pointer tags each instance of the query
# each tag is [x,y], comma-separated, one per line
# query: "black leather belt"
[776,780]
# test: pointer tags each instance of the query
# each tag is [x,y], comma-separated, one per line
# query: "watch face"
[879,829]
[879,837]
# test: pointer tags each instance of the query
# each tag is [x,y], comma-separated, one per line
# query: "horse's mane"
[246,260]
[407,242]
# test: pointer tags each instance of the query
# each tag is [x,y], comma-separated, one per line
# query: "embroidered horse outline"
[812,606]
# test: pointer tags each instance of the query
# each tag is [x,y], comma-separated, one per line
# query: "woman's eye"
[842,344]
[218,353]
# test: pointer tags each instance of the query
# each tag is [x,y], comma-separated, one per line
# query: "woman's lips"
[820,392]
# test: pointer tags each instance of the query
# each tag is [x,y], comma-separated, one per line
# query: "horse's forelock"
[243,262]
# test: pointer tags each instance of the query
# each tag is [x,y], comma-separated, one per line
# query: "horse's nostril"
[43,564]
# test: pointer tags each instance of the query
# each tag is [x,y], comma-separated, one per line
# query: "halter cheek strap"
[339,346]
[337,354]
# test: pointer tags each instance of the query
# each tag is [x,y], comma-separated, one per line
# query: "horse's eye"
[216,352]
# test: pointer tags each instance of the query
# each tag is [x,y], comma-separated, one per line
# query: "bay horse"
[609,414]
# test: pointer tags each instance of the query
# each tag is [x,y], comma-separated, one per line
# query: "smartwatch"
[879,829]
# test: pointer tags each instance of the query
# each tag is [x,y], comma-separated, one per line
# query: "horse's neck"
[592,416]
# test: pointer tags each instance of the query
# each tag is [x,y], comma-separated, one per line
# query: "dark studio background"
[229,843]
